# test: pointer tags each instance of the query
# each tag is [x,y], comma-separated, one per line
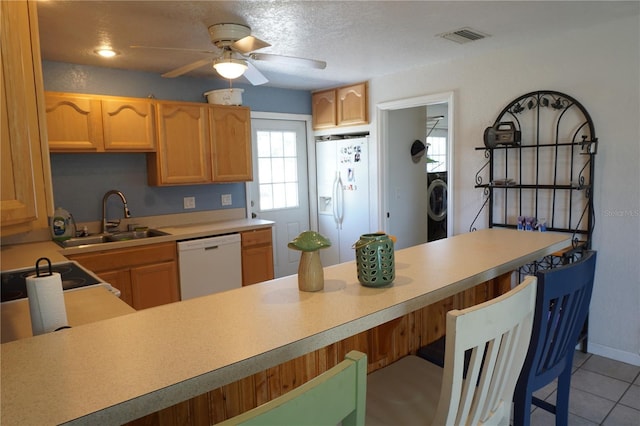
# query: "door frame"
[382,114]
[311,162]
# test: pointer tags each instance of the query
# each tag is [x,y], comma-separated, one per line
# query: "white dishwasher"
[209,265]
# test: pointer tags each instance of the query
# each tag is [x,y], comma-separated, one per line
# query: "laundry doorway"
[407,175]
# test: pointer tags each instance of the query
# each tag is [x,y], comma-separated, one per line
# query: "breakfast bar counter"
[120,369]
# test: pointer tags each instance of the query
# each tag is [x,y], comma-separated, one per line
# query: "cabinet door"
[182,155]
[257,264]
[122,281]
[25,171]
[128,124]
[323,107]
[154,285]
[74,122]
[230,143]
[352,105]
[257,256]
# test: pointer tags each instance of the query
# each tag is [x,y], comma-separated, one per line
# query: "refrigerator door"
[343,196]
[354,200]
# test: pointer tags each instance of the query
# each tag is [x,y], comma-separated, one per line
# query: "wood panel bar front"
[383,345]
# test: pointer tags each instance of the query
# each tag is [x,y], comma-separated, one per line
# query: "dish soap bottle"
[61,228]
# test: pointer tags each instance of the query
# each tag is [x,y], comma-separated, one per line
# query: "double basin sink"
[111,237]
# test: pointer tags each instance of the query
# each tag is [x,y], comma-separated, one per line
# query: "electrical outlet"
[189,202]
[226,199]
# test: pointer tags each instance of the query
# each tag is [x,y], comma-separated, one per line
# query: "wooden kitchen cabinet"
[26,175]
[352,105]
[257,256]
[342,106]
[183,153]
[128,124]
[147,276]
[323,109]
[230,128]
[90,123]
[74,122]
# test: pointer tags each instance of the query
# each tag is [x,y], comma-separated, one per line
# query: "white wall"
[600,67]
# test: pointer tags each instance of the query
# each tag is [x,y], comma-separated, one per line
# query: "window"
[437,151]
[277,170]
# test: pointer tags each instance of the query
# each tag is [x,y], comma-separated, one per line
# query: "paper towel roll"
[46,303]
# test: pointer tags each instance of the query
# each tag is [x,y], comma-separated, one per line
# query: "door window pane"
[277,170]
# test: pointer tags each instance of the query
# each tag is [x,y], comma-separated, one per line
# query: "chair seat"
[403,393]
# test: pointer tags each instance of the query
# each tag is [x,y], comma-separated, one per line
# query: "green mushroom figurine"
[310,273]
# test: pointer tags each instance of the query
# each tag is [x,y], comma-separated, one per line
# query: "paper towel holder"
[38,267]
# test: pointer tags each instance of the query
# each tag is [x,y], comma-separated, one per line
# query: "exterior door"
[279,191]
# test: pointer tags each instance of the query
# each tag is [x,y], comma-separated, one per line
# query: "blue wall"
[80,180]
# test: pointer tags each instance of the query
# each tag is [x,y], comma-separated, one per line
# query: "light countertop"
[85,305]
[23,255]
[122,368]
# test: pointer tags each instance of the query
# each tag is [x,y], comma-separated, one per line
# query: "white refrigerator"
[342,167]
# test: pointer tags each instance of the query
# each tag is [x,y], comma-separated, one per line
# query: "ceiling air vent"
[464,35]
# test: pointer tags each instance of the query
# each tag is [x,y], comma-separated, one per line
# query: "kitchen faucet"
[108,225]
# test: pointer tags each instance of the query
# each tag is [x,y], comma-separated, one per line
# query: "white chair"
[336,396]
[412,391]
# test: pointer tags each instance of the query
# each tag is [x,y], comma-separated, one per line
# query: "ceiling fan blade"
[186,68]
[249,44]
[179,49]
[254,76]
[289,60]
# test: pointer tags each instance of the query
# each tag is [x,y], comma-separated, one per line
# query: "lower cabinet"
[147,276]
[257,256]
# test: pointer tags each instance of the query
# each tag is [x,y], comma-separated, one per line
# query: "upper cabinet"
[230,143]
[343,106]
[353,105]
[323,109]
[88,123]
[201,143]
[26,177]
[183,150]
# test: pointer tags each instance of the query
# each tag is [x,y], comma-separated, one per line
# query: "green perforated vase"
[375,261]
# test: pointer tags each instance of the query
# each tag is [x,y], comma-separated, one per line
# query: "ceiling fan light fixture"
[230,68]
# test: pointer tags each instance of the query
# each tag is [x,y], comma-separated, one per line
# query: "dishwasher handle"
[211,247]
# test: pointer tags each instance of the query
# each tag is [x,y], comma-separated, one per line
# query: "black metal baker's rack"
[546,172]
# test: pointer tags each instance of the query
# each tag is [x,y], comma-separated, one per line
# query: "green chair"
[337,395]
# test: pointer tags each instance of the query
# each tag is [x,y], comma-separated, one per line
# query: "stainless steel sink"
[134,235]
[110,237]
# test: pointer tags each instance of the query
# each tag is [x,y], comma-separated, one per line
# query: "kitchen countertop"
[84,306]
[23,255]
[122,368]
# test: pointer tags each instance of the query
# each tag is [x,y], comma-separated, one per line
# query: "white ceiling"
[358,39]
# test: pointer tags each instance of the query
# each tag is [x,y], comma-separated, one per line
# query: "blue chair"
[562,305]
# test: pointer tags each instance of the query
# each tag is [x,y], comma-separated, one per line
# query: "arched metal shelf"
[546,172]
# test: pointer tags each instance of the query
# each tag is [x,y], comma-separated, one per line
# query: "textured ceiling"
[358,39]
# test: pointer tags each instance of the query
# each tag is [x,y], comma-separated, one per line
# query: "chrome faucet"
[108,225]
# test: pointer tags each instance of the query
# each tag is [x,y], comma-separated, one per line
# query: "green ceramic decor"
[310,273]
[375,259]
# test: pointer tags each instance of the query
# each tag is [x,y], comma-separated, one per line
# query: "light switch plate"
[226,199]
[189,202]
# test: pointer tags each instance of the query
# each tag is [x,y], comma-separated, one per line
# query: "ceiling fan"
[236,51]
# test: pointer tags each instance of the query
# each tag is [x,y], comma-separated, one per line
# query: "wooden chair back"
[564,295]
[337,395]
[497,333]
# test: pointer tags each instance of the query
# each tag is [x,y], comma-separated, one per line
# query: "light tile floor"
[603,392]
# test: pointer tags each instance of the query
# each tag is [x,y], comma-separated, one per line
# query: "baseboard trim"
[612,353]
